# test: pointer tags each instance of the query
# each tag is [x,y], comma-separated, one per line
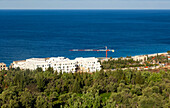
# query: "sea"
[52,33]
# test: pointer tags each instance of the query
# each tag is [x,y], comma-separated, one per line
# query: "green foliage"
[105,96]
[110,89]
[168,52]
[40,78]
[90,99]
[155,77]
[26,98]
[76,86]
[117,64]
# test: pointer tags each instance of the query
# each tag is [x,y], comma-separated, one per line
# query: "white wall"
[59,64]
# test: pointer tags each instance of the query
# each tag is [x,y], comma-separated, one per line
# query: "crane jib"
[106,50]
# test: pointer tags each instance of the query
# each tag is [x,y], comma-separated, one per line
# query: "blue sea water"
[51,33]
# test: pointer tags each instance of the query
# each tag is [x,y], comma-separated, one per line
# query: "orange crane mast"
[94,50]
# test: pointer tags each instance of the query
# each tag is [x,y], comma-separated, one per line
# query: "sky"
[84,4]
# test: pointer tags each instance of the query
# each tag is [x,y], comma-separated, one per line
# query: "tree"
[40,81]
[155,77]
[168,52]
[50,69]
[139,78]
[26,99]
[39,69]
[108,89]
[41,101]
[76,86]
[87,100]
[9,98]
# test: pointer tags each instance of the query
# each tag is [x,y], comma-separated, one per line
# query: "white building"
[28,63]
[88,64]
[140,58]
[20,64]
[60,64]
[3,66]
[152,55]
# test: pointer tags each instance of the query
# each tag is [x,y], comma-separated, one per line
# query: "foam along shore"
[136,57]
[155,54]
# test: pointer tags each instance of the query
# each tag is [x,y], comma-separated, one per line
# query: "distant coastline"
[149,55]
[103,58]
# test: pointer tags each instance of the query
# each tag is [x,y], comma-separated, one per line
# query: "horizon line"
[83,9]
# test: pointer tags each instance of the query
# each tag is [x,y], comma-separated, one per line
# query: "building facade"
[140,58]
[60,64]
[88,64]
[3,66]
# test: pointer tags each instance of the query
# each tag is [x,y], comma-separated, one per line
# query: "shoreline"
[149,55]
[104,58]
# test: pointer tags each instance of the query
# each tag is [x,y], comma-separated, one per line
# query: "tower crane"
[94,50]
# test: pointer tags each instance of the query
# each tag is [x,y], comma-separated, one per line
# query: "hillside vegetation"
[111,89]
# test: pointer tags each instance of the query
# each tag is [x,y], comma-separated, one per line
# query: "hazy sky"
[84,4]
